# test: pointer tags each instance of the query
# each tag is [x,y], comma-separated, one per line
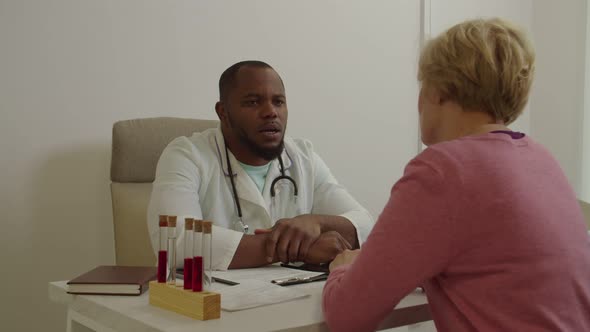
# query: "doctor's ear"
[221,112]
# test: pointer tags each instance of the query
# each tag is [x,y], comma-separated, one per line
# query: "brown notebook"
[113,280]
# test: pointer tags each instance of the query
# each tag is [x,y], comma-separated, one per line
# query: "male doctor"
[270,197]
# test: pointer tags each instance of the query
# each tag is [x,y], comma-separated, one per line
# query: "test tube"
[171,250]
[197,282]
[162,251]
[207,255]
[188,253]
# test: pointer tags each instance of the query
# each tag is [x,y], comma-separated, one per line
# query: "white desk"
[133,313]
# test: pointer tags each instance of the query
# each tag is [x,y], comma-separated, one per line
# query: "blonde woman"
[484,218]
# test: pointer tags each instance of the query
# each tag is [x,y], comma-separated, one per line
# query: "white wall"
[559,31]
[585,172]
[71,68]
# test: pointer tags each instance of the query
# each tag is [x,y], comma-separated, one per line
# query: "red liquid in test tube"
[197,274]
[188,254]
[197,277]
[188,273]
[162,253]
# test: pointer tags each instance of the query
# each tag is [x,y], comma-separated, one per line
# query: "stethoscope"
[283,176]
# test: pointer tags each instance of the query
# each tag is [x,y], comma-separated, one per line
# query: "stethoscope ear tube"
[283,176]
[233,187]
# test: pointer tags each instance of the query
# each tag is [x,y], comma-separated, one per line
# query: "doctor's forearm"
[340,225]
[251,252]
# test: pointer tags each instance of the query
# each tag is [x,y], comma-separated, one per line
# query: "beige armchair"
[137,145]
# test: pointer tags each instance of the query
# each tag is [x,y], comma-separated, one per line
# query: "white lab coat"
[192,181]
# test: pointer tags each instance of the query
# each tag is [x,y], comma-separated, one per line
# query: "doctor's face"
[256,112]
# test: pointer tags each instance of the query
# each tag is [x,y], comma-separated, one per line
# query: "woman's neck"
[460,123]
[486,128]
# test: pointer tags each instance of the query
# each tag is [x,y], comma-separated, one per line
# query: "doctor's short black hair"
[228,77]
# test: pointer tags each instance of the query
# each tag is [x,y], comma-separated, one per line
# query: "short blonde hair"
[484,64]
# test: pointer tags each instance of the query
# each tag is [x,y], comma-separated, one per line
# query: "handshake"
[302,239]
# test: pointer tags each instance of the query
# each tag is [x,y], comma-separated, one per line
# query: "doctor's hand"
[326,248]
[290,239]
[346,257]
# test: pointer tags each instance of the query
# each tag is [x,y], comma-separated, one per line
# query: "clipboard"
[325,268]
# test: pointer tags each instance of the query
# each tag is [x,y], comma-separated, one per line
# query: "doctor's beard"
[268,154]
[265,153]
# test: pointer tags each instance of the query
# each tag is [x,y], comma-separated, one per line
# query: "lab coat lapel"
[246,188]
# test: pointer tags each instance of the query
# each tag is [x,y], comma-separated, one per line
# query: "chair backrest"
[137,146]
[585,211]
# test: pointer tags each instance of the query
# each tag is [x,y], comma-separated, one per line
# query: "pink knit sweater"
[491,228]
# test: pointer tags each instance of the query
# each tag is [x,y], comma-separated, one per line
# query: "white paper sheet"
[255,293]
[266,274]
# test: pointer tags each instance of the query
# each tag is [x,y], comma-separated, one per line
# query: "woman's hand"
[326,248]
[344,258]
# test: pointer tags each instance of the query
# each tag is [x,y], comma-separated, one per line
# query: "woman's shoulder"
[480,148]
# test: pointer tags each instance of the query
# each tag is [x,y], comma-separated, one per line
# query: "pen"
[226,282]
[297,280]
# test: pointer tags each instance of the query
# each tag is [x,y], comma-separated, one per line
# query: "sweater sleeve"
[410,243]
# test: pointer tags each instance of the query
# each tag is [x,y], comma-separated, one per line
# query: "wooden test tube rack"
[198,305]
